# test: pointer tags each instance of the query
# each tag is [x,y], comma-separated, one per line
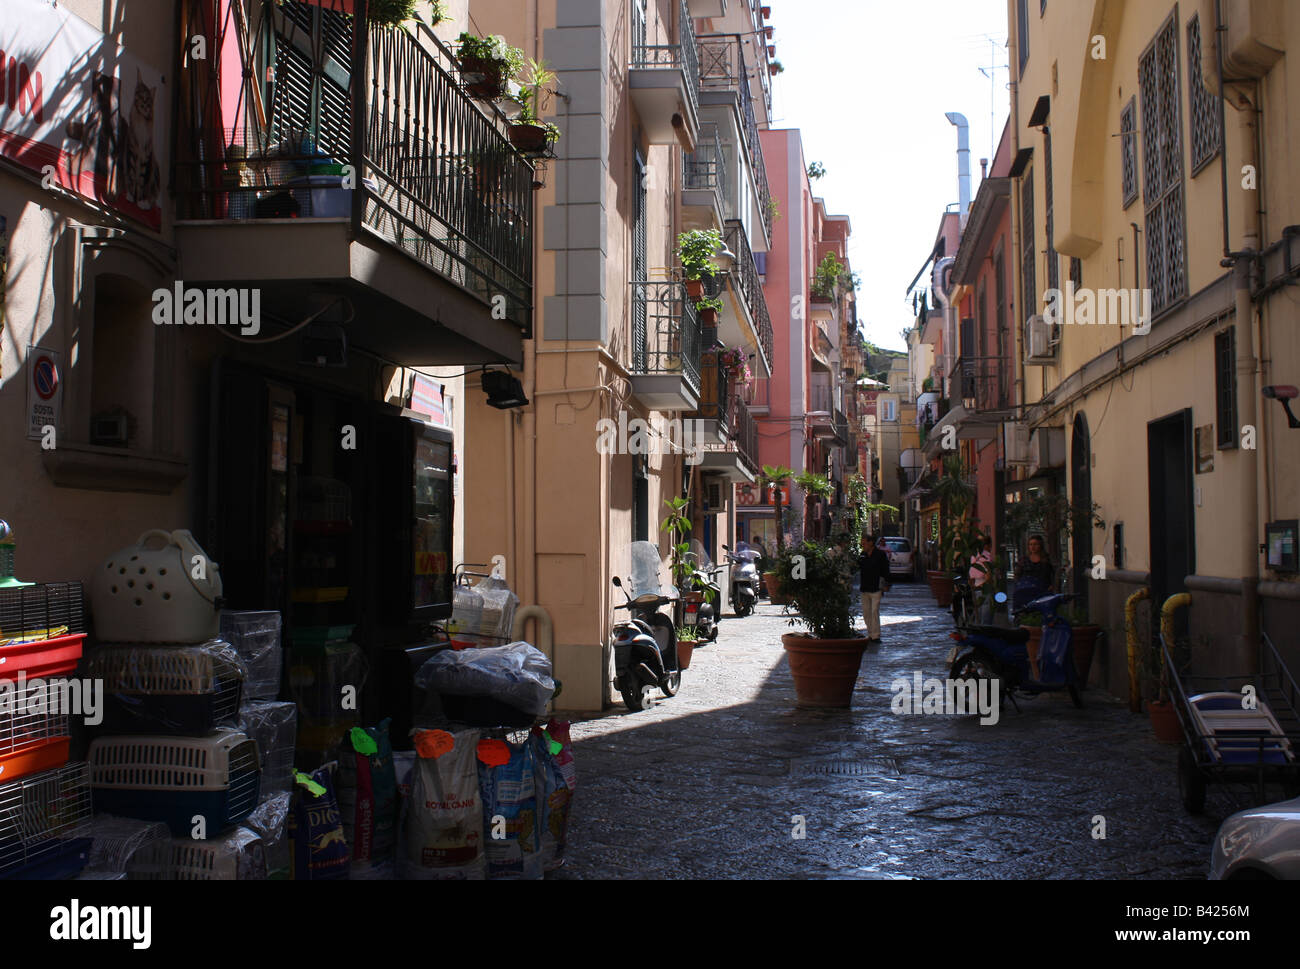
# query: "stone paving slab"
[705,784]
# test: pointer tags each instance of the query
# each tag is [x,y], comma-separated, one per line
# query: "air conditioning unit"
[1040,342]
[1046,449]
[1015,443]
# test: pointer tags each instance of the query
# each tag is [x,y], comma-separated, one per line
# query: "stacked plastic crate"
[170,748]
[45,804]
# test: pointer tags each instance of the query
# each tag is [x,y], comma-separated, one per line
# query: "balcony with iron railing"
[723,68]
[982,383]
[667,346]
[362,164]
[980,403]
[715,394]
[747,286]
[736,455]
[704,181]
[664,83]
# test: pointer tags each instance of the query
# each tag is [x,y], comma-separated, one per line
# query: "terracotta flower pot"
[1164,721]
[684,651]
[824,670]
[484,79]
[773,595]
[528,137]
[1085,644]
[942,585]
[695,289]
[709,317]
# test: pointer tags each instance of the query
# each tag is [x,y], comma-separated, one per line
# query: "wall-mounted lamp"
[503,389]
[1285,393]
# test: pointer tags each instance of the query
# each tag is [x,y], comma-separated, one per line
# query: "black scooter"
[645,650]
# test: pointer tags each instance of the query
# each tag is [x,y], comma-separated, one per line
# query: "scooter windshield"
[745,552]
[646,566]
[700,556]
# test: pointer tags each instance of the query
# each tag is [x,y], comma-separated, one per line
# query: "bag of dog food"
[507,777]
[557,779]
[368,800]
[320,850]
[442,822]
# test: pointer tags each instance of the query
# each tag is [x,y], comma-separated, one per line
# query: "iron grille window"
[1128,151]
[1028,282]
[1204,105]
[1053,263]
[1225,388]
[1022,33]
[309,96]
[1162,168]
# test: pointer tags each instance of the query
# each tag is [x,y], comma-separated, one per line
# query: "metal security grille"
[1162,168]
[1028,282]
[1128,151]
[1225,388]
[1204,106]
[640,263]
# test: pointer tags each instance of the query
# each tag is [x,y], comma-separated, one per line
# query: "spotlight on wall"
[1285,393]
[503,389]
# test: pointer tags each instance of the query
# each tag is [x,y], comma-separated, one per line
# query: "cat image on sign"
[96,136]
[140,172]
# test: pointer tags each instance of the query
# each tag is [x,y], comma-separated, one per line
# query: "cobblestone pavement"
[705,784]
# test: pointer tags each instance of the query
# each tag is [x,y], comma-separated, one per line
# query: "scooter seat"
[1016,635]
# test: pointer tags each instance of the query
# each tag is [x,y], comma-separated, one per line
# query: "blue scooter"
[997,653]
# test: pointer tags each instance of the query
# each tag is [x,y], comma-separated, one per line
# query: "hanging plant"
[392,13]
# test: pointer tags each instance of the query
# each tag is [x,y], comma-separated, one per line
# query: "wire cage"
[174,779]
[168,689]
[43,611]
[129,849]
[45,823]
[34,728]
[241,856]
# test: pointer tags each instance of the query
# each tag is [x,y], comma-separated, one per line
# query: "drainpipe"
[963,162]
[1130,627]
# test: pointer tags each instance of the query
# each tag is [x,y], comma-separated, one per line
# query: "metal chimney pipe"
[963,161]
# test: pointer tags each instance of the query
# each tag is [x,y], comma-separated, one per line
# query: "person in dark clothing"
[873,569]
[1034,574]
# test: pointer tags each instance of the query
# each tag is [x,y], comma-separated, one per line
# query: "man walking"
[873,566]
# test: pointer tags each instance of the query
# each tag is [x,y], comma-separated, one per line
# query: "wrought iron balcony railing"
[841,426]
[758,394]
[434,174]
[745,276]
[821,399]
[683,55]
[982,383]
[705,170]
[723,68]
[715,391]
[666,332]
[745,433]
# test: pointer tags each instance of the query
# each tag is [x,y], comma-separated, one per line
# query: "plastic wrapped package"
[256,637]
[442,820]
[517,674]
[485,613]
[130,849]
[508,782]
[317,843]
[179,690]
[274,726]
[239,855]
[367,793]
[271,822]
[318,674]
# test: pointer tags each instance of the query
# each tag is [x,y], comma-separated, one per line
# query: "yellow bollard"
[1130,625]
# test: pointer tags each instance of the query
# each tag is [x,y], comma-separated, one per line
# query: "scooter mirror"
[618,582]
[726,548]
[1000,598]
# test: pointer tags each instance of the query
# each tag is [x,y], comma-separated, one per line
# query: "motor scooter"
[999,654]
[698,604]
[645,645]
[744,578]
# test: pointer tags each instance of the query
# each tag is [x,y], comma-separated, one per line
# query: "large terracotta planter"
[824,670]
[1164,721]
[1085,644]
[773,594]
[942,585]
[684,651]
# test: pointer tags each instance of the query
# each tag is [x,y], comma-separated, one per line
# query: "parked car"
[902,559]
[1261,843]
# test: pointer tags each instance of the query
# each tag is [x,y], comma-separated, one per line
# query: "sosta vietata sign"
[79,110]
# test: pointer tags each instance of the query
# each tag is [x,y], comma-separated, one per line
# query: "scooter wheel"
[743,610]
[1075,696]
[713,634]
[671,684]
[638,697]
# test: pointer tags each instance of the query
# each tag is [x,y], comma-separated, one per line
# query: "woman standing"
[1034,573]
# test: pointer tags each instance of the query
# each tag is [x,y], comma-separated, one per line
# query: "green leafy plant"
[533,96]
[678,526]
[392,13]
[773,208]
[490,50]
[816,170]
[777,67]
[777,476]
[827,276]
[709,303]
[1053,514]
[688,634]
[927,385]
[818,580]
[695,251]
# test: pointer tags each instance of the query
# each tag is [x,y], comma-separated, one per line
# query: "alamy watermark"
[23,698]
[1102,307]
[210,307]
[639,436]
[951,697]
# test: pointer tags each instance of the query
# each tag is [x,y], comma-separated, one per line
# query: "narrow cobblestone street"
[705,784]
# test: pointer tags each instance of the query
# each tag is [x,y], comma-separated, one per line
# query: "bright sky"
[868,83]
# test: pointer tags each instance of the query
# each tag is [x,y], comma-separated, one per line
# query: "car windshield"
[897,544]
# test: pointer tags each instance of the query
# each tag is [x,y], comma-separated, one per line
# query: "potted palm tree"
[695,251]
[528,133]
[815,486]
[824,661]
[776,476]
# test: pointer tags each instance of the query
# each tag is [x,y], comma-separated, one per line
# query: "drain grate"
[854,768]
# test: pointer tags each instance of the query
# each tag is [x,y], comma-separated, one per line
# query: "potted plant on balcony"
[486,63]
[826,277]
[695,251]
[393,13]
[708,307]
[773,208]
[775,67]
[735,361]
[528,133]
[818,580]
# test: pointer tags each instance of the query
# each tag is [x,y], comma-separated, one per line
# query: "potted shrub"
[826,277]
[393,13]
[708,308]
[775,68]
[773,208]
[824,661]
[486,63]
[695,251]
[528,133]
[687,638]
[1155,690]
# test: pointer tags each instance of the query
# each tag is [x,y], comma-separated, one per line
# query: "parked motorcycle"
[744,578]
[645,645]
[996,653]
[699,609]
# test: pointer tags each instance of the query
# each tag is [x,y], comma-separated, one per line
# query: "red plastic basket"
[43,658]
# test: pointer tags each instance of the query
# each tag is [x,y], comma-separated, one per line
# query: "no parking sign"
[43,390]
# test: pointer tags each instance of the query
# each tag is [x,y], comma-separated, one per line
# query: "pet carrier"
[129,849]
[34,727]
[163,589]
[168,689]
[44,824]
[256,637]
[176,779]
[44,611]
[239,856]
